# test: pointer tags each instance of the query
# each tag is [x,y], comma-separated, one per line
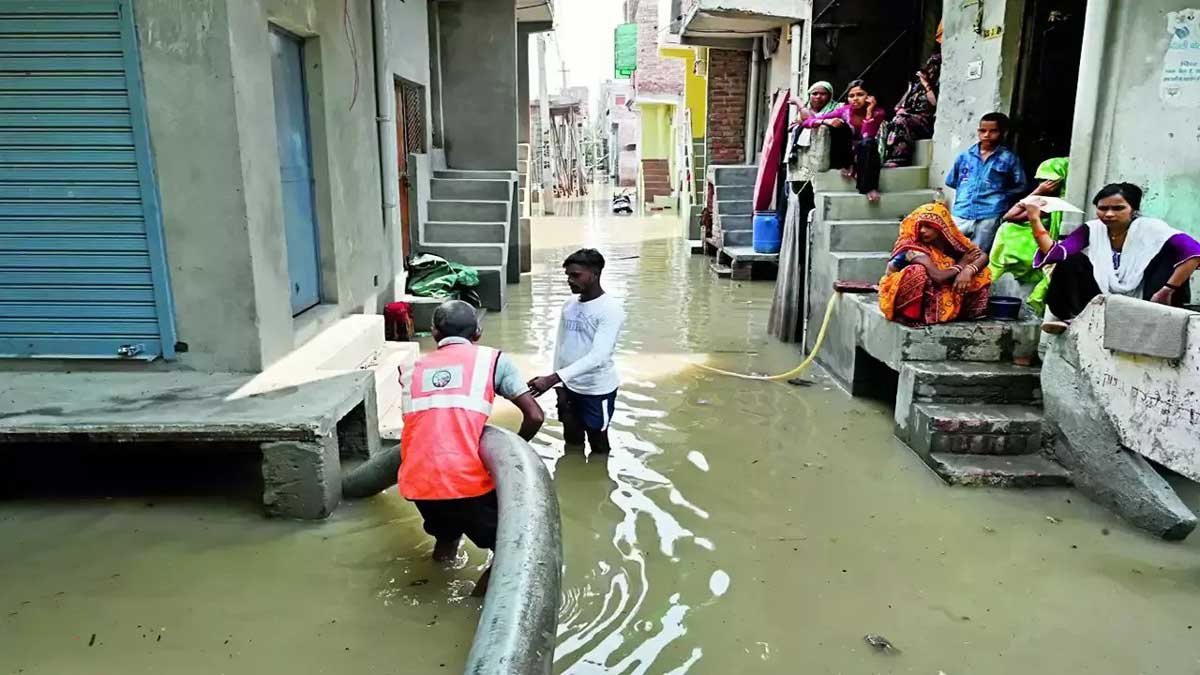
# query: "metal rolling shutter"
[82,270]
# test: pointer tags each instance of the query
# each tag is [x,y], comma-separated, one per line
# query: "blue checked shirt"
[986,189]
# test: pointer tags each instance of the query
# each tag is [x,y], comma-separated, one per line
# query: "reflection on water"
[737,527]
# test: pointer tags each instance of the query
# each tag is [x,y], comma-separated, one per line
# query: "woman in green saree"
[1013,251]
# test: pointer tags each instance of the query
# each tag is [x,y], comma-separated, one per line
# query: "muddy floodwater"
[737,527]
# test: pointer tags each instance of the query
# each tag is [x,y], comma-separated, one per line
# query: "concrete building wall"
[728,72]
[408,48]
[479,83]
[207,66]
[963,99]
[1139,135]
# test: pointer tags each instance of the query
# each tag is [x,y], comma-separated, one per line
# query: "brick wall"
[655,75]
[728,73]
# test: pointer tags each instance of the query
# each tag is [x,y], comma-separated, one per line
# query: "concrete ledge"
[304,428]
[517,629]
[973,341]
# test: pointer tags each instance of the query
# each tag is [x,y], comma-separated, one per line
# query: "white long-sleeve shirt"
[587,338]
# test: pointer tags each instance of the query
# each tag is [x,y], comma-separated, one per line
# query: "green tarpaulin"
[626,50]
[430,276]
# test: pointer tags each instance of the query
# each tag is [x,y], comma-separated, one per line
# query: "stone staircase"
[733,215]
[961,403]
[472,220]
[976,424]
[656,179]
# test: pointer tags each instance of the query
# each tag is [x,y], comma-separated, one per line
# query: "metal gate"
[82,267]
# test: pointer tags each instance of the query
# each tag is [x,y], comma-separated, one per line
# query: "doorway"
[1048,76]
[295,169]
[410,138]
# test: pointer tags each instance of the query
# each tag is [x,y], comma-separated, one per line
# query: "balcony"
[703,20]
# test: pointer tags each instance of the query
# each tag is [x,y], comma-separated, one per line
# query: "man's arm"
[532,416]
[952,177]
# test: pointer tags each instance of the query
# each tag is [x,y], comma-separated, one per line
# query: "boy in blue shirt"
[988,179]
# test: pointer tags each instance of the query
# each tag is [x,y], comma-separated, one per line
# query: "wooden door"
[402,173]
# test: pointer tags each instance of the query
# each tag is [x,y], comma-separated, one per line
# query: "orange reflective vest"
[447,400]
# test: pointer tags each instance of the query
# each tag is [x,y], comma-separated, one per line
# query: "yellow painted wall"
[656,130]
[695,88]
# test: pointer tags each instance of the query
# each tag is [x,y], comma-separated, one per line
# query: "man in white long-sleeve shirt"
[583,354]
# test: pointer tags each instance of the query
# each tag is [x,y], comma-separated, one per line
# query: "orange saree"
[911,296]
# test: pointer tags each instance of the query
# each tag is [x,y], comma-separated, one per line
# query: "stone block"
[301,479]
[1024,471]
[976,430]
[1089,444]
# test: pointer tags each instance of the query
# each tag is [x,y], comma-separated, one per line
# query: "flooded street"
[737,527]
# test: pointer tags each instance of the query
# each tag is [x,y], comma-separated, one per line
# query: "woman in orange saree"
[936,274]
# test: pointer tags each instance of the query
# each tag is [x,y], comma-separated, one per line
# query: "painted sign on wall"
[1180,84]
[625,50]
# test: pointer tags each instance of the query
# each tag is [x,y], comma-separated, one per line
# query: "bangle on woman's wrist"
[1172,286]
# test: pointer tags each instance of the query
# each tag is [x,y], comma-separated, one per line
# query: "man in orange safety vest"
[447,400]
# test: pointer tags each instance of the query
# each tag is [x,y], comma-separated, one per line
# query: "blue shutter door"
[82,264]
[295,169]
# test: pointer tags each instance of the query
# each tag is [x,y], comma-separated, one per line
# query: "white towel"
[1145,239]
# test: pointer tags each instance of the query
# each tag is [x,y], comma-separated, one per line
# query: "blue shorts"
[592,412]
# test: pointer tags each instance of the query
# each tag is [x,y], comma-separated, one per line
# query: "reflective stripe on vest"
[447,399]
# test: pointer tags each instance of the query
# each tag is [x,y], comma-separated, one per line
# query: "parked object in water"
[622,203]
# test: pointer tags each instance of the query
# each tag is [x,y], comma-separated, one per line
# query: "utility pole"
[547,144]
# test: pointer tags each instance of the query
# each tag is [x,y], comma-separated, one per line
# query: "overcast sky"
[583,38]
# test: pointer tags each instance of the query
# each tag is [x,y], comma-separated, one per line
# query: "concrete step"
[862,236]
[975,429]
[853,206]
[442,232]
[969,383]
[860,266]
[473,211]
[479,175]
[727,174]
[735,207]
[748,254]
[470,189]
[890,180]
[1022,471]
[736,238]
[474,255]
[493,287]
[733,223]
[522,151]
[735,193]
[924,153]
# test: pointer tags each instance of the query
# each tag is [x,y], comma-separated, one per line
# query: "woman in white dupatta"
[1119,253]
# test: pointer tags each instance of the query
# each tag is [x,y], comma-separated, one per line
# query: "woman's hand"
[1163,296]
[923,78]
[834,123]
[963,281]
[871,103]
[1033,209]
[1048,188]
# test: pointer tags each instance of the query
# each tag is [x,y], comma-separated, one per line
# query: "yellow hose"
[798,369]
